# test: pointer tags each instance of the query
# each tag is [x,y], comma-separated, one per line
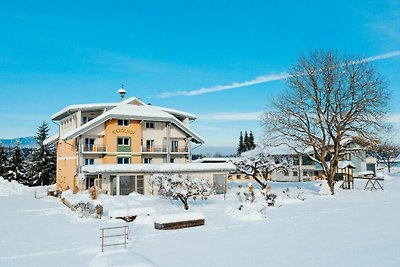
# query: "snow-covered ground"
[352,228]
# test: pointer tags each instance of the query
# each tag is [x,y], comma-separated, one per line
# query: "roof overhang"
[159,168]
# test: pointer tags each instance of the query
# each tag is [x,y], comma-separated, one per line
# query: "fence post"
[102,240]
[124,235]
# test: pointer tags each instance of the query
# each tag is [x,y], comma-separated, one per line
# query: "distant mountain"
[214,151]
[24,142]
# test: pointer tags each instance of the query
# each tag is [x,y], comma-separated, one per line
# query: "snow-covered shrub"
[85,209]
[296,193]
[180,188]
[270,199]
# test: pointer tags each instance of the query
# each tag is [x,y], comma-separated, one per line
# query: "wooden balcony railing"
[95,148]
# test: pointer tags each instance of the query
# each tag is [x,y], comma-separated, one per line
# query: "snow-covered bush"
[176,187]
[85,209]
[297,193]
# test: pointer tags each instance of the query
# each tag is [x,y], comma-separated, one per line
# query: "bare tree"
[329,98]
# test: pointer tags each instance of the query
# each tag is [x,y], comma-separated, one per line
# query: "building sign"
[123,131]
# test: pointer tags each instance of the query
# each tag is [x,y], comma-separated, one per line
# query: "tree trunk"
[260,182]
[184,200]
[331,182]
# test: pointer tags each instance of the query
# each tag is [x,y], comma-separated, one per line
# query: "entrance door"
[126,185]
[219,183]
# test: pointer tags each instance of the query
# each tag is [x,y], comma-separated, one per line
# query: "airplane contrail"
[260,79]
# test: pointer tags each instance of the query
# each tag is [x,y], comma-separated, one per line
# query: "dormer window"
[123,122]
[86,119]
[150,125]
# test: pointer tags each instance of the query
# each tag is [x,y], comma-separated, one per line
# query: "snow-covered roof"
[83,107]
[345,164]
[159,168]
[51,140]
[178,113]
[127,111]
[101,106]
[212,160]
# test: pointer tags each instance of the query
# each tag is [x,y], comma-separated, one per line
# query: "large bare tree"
[329,98]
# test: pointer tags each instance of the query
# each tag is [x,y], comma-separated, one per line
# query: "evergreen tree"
[241,147]
[246,141]
[42,166]
[3,161]
[252,145]
[17,166]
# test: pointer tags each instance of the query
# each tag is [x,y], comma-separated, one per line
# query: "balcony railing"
[179,149]
[155,149]
[95,148]
[163,149]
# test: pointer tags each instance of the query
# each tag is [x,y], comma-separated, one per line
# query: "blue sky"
[58,53]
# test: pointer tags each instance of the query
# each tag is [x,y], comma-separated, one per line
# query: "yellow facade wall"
[66,164]
[113,131]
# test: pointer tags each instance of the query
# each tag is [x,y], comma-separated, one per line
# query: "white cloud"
[244,116]
[217,88]
[383,56]
[258,80]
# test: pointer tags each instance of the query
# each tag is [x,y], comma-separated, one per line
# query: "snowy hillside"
[24,142]
[352,228]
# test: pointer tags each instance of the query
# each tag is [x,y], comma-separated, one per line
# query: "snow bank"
[130,211]
[248,211]
[78,197]
[120,258]
[11,188]
[178,217]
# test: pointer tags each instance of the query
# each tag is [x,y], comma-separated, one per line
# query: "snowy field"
[352,228]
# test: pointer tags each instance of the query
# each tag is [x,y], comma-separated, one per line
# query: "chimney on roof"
[122,92]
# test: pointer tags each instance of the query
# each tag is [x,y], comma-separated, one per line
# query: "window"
[89,161]
[123,160]
[147,160]
[149,125]
[89,141]
[295,173]
[86,119]
[123,141]
[150,145]
[174,146]
[123,122]
[305,173]
[171,160]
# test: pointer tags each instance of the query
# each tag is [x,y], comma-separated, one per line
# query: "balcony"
[164,149]
[179,150]
[154,149]
[94,149]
